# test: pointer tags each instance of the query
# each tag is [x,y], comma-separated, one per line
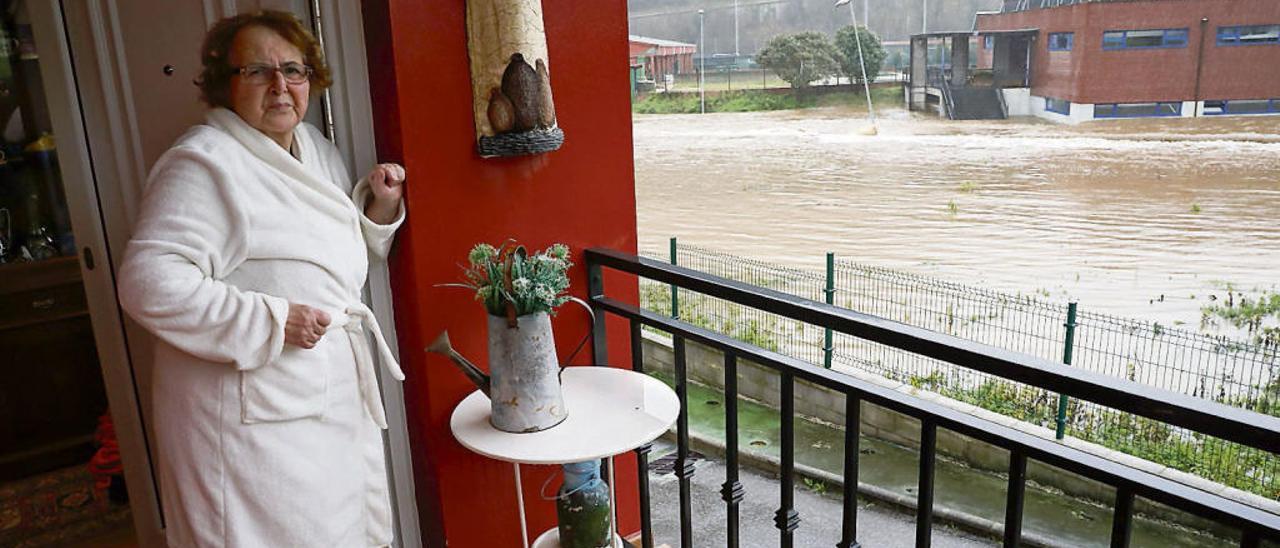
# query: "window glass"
[987,42]
[1060,106]
[1144,39]
[1257,106]
[1136,110]
[1061,41]
[1113,39]
[1260,34]
[1249,35]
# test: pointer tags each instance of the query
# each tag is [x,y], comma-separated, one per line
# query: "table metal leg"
[613,506]
[524,525]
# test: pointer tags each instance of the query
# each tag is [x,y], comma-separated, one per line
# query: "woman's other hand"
[305,325]
[386,183]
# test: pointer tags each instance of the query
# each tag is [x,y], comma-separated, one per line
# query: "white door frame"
[103,195]
[342,24]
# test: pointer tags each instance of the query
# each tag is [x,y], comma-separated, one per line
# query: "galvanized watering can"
[524,384]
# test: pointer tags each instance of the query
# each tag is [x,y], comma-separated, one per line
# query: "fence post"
[675,297]
[1066,359]
[831,299]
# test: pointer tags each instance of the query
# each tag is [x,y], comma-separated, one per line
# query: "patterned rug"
[56,508]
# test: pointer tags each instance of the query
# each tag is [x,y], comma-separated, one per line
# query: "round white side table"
[610,411]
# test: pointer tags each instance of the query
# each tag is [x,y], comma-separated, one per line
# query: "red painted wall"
[582,195]
[1088,74]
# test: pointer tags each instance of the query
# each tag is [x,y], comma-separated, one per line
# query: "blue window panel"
[1061,41]
[1144,39]
[1113,40]
[1137,110]
[1249,35]
[1242,106]
[1060,106]
[987,42]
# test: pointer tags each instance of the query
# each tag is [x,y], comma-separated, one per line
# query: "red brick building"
[662,57]
[1109,59]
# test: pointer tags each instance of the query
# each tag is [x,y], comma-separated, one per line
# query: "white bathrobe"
[258,443]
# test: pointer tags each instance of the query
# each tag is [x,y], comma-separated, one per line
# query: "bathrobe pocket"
[294,386]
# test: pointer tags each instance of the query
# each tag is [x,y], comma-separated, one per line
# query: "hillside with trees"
[760,20]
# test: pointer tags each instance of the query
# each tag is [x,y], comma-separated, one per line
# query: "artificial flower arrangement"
[511,283]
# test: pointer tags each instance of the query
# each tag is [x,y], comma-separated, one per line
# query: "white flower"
[543,293]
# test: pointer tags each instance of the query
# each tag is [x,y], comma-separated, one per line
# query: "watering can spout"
[441,346]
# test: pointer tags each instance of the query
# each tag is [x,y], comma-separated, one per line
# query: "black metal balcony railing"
[1210,418]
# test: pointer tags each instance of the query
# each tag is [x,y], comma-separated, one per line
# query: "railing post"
[595,288]
[1122,521]
[852,433]
[675,296]
[1015,498]
[786,518]
[642,452]
[1068,345]
[924,493]
[732,491]
[831,299]
[684,466]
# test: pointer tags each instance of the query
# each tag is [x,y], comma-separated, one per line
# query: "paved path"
[879,525]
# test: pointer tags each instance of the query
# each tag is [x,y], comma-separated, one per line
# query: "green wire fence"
[1230,371]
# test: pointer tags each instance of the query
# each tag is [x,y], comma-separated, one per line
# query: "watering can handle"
[583,342]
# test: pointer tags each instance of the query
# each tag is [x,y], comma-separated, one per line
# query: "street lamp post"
[702,66]
[736,52]
[862,63]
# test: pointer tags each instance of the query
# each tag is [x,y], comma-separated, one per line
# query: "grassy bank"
[757,100]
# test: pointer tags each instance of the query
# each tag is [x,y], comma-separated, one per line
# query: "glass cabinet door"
[60,473]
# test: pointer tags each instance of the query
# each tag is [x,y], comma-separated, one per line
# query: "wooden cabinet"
[51,389]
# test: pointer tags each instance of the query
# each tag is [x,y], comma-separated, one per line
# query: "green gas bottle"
[582,506]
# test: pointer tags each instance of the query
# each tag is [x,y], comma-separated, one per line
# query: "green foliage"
[734,101]
[759,100]
[1208,457]
[761,332]
[873,54]
[1257,315]
[800,58]
[817,486]
[508,276]
[746,101]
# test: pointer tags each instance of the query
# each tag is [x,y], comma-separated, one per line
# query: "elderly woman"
[247,263]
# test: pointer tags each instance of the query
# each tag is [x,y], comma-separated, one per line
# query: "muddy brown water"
[1140,218]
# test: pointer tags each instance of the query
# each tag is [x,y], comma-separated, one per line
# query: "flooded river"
[1140,218]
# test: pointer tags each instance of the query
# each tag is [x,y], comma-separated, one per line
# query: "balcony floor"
[879,525]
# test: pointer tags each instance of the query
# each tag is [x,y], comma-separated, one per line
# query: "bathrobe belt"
[358,323]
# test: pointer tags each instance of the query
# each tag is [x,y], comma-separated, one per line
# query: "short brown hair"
[215,78]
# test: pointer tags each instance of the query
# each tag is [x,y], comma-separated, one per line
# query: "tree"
[800,58]
[872,52]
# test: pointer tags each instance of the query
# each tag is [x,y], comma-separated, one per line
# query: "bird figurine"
[502,115]
[546,107]
[520,85]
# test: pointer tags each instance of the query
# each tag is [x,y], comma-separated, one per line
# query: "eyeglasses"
[261,73]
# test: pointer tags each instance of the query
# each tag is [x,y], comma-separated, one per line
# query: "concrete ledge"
[957,518]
